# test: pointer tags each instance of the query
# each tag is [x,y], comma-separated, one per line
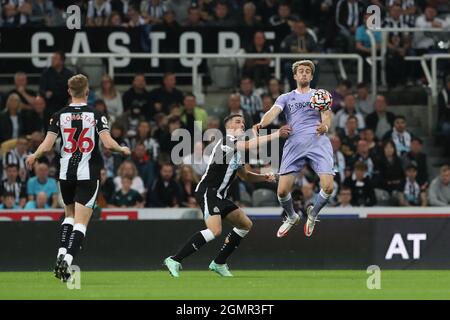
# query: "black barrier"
[142,245]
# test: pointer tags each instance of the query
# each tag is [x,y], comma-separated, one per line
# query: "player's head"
[303,72]
[78,86]
[235,125]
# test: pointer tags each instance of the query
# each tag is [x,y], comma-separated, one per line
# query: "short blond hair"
[78,85]
[307,63]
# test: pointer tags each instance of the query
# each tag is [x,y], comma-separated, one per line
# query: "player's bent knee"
[282,193]
[328,189]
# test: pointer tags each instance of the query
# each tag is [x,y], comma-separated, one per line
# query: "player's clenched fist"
[125,151]
[284,131]
[256,128]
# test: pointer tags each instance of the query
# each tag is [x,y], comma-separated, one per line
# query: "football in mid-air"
[321,100]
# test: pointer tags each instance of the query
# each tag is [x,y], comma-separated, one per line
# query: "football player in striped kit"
[80,127]
[224,164]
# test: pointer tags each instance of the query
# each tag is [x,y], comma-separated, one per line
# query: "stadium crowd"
[377,160]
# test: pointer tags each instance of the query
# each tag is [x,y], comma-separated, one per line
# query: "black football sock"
[64,234]
[194,244]
[232,241]
[75,241]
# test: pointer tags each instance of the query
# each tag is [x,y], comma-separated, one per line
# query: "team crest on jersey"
[235,162]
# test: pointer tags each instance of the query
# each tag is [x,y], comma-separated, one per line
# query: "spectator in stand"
[400,136]
[169,22]
[180,9]
[165,191]
[126,197]
[153,11]
[194,17]
[248,16]
[267,103]
[349,138]
[343,88]
[106,189]
[111,162]
[36,119]
[144,164]
[41,13]
[339,159]
[299,41]
[390,168]
[398,45]
[42,182]
[11,119]
[115,20]
[191,113]
[408,10]
[362,155]
[188,182]
[363,194]
[164,135]
[222,17]
[364,103]
[349,15]
[443,125]
[144,136]
[423,42]
[283,16]
[197,160]
[439,192]
[9,202]
[12,183]
[411,194]
[267,9]
[166,95]
[118,133]
[136,100]
[363,45]
[41,202]
[419,159]
[381,120]
[234,107]
[375,150]
[15,12]
[258,69]
[17,157]
[308,195]
[34,140]
[349,109]
[250,101]
[111,96]
[344,198]
[128,169]
[274,88]
[98,13]
[122,6]
[26,95]
[134,17]
[53,83]
[100,106]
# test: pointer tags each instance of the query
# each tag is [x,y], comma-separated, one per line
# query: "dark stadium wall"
[142,245]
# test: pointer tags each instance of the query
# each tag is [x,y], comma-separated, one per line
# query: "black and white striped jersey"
[223,164]
[18,188]
[79,127]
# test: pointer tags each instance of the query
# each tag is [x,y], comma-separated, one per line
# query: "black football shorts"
[212,205]
[83,191]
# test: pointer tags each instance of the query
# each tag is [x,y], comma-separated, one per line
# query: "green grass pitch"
[345,284]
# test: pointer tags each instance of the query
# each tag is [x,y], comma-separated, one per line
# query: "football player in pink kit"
[307,143]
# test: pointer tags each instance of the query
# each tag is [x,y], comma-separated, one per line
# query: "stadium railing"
[196,79]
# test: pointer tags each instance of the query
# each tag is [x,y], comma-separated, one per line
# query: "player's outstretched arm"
[111,144]
[252,177]
[267,118]
[44,147]
[283,132]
